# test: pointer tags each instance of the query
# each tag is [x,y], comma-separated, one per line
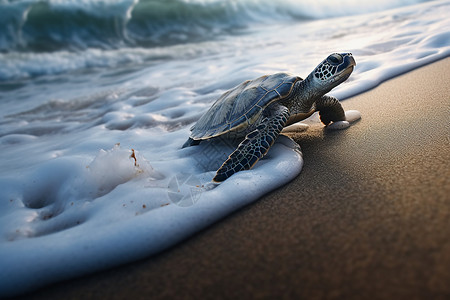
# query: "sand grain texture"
[367,218]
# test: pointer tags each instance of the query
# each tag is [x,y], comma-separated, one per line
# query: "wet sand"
[367,218]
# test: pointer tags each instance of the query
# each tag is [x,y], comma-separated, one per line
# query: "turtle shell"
[242,105]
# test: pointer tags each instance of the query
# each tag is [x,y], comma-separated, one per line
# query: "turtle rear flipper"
[256,143]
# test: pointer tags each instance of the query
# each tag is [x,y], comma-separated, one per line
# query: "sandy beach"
[367,218]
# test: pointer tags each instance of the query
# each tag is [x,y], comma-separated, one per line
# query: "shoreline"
[368,215]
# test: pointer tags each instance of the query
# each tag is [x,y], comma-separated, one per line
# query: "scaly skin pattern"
[256,143]
[265,111]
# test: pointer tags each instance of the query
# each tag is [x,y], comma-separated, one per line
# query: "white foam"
[350,115]
[68,208]
[113,212]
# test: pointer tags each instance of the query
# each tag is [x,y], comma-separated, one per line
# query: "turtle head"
[331,72]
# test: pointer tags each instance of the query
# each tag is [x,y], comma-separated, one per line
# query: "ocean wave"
[66,196]
[50,25]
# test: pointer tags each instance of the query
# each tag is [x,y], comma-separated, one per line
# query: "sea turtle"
[257,110]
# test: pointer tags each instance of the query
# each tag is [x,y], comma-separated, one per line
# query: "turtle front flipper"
[256,143]
[330,110]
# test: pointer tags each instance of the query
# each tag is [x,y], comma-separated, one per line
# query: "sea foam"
[92,171]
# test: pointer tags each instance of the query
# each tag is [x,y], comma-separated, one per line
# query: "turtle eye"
[335,59]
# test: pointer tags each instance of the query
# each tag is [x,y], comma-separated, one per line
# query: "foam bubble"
[140,214]
[69,208]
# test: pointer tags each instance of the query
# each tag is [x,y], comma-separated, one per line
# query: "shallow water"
[75,197]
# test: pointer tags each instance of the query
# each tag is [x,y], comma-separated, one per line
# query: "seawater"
[97,97]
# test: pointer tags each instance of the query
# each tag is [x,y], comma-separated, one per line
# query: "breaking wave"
[51,25]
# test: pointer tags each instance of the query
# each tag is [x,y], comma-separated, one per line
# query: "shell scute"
[243,104]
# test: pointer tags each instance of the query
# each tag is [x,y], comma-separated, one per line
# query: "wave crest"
[50,25]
